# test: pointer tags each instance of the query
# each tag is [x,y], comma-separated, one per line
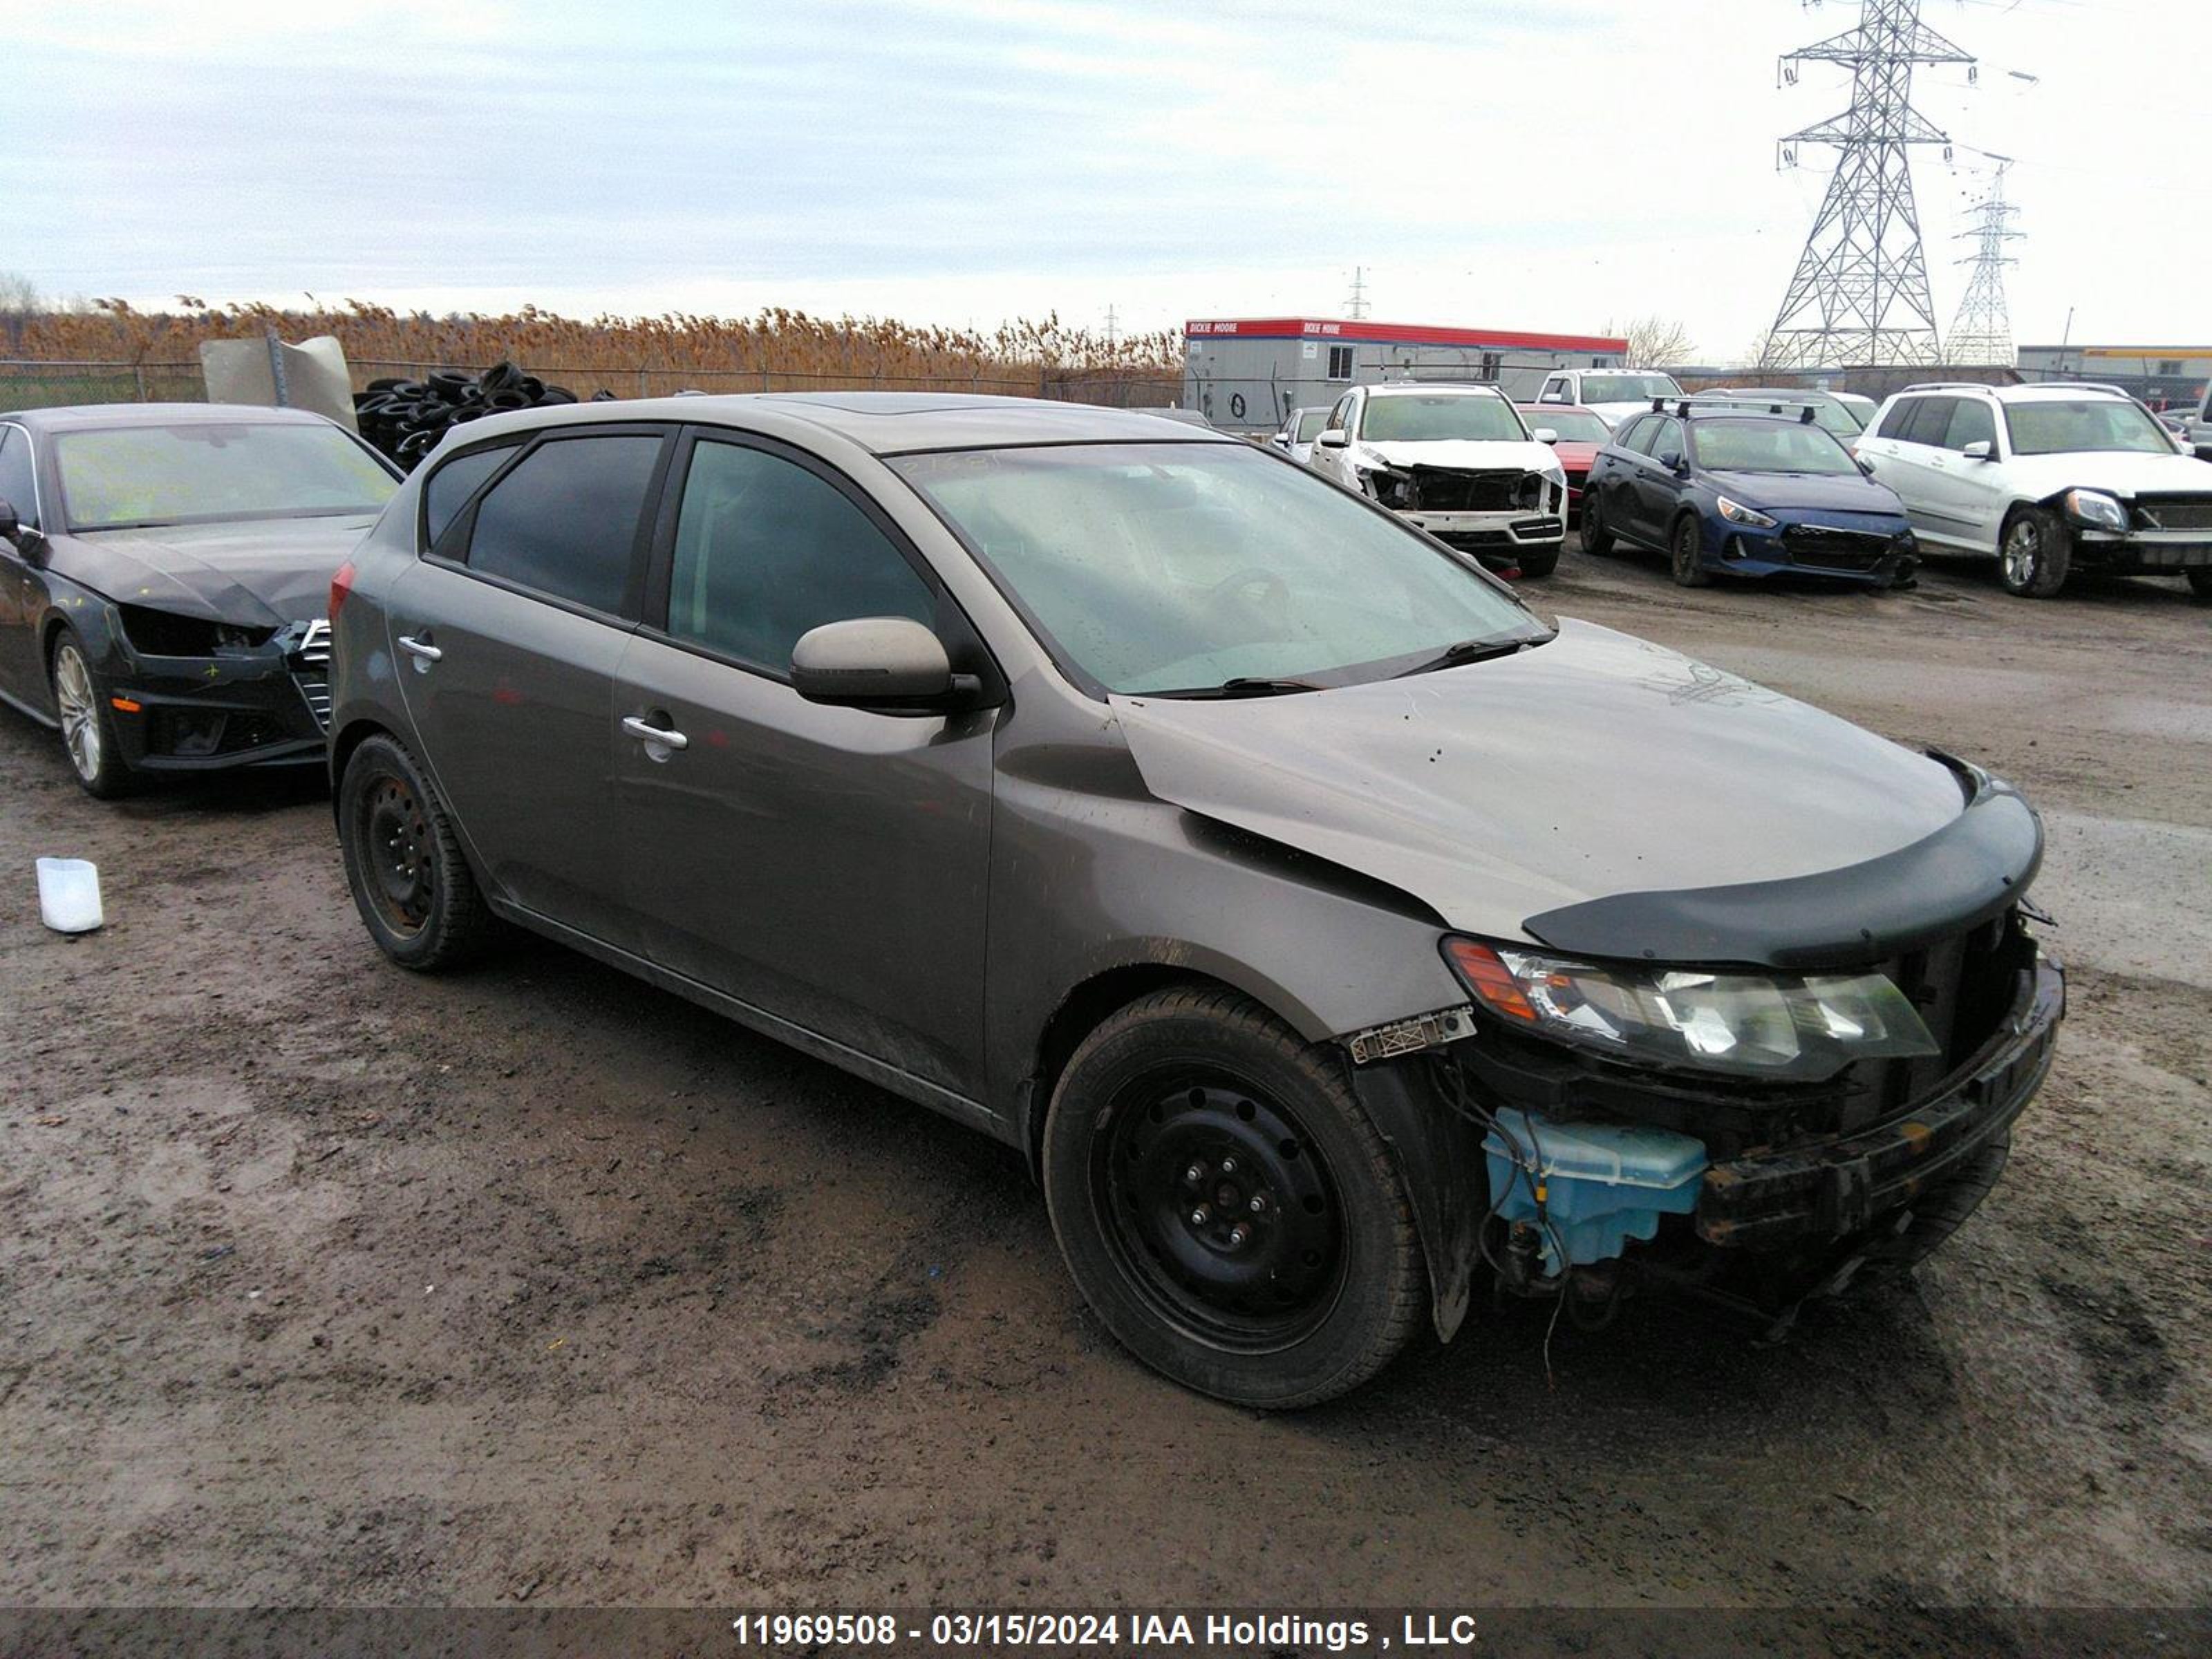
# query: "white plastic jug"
[69,894]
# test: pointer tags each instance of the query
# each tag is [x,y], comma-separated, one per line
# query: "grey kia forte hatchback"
[1330,935]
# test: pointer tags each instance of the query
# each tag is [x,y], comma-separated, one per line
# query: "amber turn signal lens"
[1489,979]
[124,704]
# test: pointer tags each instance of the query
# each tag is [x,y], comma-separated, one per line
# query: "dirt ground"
[323,1284]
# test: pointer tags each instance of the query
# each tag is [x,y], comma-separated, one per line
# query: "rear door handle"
[421,648]
[647,733]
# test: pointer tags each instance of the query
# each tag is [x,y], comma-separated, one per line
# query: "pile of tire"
[405,418]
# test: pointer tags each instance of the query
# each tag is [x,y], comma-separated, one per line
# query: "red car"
[1582,431]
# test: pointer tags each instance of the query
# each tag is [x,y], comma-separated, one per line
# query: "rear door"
[1969,497]
[825,866]
[506,638]
[1655,488]
[1908,457]
[23,675]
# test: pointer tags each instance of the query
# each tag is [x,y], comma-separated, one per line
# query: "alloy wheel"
[2023,550]
[79,707]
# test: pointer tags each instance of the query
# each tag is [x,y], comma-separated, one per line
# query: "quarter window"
[452,484]
[767,550]
[564,521]
[1899,417]
[17,486]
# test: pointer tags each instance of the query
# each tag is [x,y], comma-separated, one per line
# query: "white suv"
[1614,393]
[1456,461]
[2047,479]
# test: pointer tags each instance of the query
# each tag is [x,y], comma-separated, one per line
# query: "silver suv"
[1326,932]
[2045,479]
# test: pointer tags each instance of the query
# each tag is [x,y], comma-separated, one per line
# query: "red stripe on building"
[1311,328]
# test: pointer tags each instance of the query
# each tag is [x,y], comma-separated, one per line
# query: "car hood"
[1615,413]
[2127,474]
[1464,453]
[258,574]
[1848,492]
[1594,765]
[1576,454]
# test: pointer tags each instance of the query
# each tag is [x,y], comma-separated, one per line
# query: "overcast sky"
[1538,164]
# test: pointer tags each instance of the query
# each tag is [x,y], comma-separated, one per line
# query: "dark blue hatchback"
[1730,492]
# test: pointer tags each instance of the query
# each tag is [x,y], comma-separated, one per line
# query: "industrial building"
[2164,377]
[1245,374]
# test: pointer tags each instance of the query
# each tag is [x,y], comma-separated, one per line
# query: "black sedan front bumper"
[1838,1189]
[265,706]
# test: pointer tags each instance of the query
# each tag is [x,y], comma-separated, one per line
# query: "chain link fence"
[26,384]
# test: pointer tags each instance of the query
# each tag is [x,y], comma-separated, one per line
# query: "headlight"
[2092,507]
[1390,488]
[1785,1028]
[1737,513]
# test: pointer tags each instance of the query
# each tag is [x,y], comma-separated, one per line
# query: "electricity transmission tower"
[1355,303]
[1982,331]
[1860,296]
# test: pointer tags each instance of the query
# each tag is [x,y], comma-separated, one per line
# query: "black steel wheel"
[1687,554]
[403,860]
[1597,537]
[1224,1205]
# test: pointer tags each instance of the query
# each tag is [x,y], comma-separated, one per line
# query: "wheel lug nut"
[1238,1235]
[1259,1203]
[1201,1216]
[1195,1174]
[1229,1166]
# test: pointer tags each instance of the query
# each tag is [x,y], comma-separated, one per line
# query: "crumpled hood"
[256,574]
[1844,492]
[1593,765]
[2124,474]
[1470,454]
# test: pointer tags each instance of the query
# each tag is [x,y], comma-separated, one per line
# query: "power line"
[1860,295]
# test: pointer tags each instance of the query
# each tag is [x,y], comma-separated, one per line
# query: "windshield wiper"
[1469,650]
[1245,686]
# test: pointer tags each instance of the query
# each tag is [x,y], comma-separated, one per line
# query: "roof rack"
[1949,386]
[1735,406]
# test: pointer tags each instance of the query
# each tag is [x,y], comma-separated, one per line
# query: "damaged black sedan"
[164,571]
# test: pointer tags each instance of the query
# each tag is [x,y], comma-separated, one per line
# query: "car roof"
[84,417]
[1780,394]
[1430,388]
[1554,408]
[881,422]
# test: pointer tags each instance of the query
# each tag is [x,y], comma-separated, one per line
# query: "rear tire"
[87,728]
[1596,538]
[403,862]
[1225,1206]
[1686,554]
[2034,553]
[1542,563]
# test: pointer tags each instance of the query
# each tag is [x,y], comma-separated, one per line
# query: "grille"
[1448,489]
[2174,512]
[310,662]
[1962,987]
[1834,550]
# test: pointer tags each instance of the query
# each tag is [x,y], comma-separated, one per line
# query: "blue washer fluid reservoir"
[1604,1184]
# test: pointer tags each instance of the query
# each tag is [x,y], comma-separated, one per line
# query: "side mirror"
[1544,434]
[1865,465]
[1280,440]
[887,663]
[29,543]
[1333,439]
[1977,451]
[1675,463]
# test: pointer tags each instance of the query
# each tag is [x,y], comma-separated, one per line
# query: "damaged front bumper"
[264,705]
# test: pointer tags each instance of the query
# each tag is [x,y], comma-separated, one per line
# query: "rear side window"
[1931,422]
[1899,417]
[17,487]
[452,484]
[766,551]
[1631,436]
[564,521]
[1972,422]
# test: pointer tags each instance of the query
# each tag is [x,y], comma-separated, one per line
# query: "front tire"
[2200,583]
[88,730]
[1225,1206]
[1540,562]
[403,863]
[1686,553]
[2034,554]
[1596,538]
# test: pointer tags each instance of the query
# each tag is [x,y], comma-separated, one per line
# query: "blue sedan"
[1739,493]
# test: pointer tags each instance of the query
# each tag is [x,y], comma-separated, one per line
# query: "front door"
[22,674]
[825,866]
[505,640]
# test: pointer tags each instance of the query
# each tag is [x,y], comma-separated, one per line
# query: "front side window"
[1666,442]
[1972,422]
[2086,424]
[564,521]
[1768,445]
[133,477]
[1310,424]
[767,550]
[18,486]
[1180,567]
[1409,418]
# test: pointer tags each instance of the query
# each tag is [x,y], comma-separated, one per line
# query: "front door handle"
[645,733]
[420,649]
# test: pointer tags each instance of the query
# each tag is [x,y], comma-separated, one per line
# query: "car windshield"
[1574,426]
[1767,445]
[1413,417]
[2055,428]
[1829,418]
[207,473]
[1310,422]
[1183,567]
[1628,388]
